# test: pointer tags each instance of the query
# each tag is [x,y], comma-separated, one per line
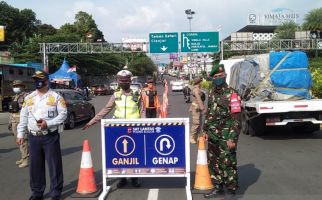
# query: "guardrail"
[104,47]
[89,48]
[267,45]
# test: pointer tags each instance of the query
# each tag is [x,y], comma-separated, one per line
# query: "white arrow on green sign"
[163,42]
[199,42]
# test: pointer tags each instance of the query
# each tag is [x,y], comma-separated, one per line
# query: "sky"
[137,18]
[119,19]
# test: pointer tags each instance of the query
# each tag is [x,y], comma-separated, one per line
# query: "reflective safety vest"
[150,99]
[126,107]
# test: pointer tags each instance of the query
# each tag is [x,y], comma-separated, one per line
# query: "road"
[279,165]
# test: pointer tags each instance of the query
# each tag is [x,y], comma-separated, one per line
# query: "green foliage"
[286,30]
[142,65]
[313,20]
[24,34]
[206,85]
[46,29]
[86,27]
[19,24]
[316,71]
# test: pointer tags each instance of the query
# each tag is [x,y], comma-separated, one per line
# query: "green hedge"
[316,70]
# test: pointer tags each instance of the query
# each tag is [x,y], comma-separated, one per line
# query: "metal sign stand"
[149,122]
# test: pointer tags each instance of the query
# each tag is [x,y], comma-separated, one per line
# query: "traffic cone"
[86,181]
[202,178]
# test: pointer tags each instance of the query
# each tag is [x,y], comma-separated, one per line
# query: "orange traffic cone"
[202,178]
[86,181]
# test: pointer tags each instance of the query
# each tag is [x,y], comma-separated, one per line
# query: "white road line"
[153,194]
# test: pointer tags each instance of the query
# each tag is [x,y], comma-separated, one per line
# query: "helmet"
[18,83]
[124,76]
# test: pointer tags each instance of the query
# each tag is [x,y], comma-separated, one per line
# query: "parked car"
[79,107]
[103,90]
[177,85]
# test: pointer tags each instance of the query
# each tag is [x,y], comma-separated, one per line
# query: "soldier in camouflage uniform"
[14,109]
[222,130]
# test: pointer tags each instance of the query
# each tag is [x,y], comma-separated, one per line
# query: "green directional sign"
[163,42]
[199,42]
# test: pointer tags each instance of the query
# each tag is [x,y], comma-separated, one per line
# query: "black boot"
[122,183]
[231,194]
[214,193]
[135,182]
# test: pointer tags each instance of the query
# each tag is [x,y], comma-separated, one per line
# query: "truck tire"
[256,126]
[244,123]
[311,128]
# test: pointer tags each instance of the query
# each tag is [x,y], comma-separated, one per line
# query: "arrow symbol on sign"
[162,141]
[125,142]
[164,48]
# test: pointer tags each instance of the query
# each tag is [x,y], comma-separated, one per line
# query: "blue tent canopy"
[65,74]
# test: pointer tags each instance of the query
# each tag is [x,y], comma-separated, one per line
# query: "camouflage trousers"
[222,164]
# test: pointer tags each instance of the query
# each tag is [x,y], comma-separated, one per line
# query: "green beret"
[217,69]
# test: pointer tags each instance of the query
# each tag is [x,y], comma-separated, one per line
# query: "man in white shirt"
[43,114]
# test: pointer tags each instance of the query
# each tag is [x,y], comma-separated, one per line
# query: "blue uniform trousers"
[41,148]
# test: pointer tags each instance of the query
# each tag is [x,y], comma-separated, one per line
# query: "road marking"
[153,194]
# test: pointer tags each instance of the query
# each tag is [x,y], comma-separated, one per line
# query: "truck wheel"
[311,128]
[256,126]
[244,123]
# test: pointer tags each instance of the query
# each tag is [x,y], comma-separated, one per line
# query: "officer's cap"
[40,75]
[18,83]
[124,73]
[197,80]
[220,68]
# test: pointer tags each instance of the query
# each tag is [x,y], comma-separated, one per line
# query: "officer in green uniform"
[222,130]
[15,105]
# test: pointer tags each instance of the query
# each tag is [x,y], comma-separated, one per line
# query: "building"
[134,44]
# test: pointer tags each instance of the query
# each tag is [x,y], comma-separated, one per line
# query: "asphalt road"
[280,165]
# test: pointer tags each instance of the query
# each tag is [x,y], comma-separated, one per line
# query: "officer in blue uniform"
[43,114]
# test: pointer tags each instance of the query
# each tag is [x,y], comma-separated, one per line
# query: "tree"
[46,29]
[19,24]
[286,30]
[141,66]
[313,20]
[86,27]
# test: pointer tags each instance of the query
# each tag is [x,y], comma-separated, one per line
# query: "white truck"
[258,114]
[304,114]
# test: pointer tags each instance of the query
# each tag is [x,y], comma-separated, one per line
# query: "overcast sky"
[137,18]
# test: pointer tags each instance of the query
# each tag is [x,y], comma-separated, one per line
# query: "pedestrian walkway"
[4,118]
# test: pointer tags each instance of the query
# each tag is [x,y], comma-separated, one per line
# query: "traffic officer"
[43,113]
[18,88]
[150,100]
[222,130]
[196,109]
[127,105]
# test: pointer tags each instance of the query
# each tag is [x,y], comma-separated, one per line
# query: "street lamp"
[190,14]
[219,28]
